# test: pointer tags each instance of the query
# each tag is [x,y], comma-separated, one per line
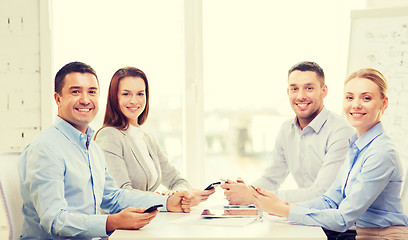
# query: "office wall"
[25,57]
[386,3]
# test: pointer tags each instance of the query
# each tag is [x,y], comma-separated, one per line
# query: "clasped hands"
[238,193]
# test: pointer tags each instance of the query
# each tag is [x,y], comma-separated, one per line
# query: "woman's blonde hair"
[373,75]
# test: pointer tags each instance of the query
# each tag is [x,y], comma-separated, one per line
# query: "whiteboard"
[379,39]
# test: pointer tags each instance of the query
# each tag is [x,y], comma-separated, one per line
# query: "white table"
[162,227]
[4,232]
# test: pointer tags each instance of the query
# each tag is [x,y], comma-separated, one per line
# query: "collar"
[72,133]
[367,137]
[317,123]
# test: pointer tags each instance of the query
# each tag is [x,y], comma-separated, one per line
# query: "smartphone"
[153,208]
[239,206]
[224,180]
[231,213]
[212,185]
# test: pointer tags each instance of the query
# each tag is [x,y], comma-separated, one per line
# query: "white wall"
[25,72]
[385,3]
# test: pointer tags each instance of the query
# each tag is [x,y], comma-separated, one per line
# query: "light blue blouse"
[366,190]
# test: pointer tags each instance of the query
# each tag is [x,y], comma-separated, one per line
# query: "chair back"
[10,192]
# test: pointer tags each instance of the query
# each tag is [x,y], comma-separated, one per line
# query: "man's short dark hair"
[308,66]
[70,68]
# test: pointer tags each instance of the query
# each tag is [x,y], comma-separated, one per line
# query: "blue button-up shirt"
[65,183]
[366,191]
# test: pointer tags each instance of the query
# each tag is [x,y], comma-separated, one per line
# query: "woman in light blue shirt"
[367,189]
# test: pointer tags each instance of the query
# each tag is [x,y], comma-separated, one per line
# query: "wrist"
[111,223]
[284,210]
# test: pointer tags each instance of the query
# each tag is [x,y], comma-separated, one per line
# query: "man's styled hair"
[70,68]
[308,66]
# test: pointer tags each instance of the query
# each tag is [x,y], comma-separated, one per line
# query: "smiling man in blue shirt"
[64,177]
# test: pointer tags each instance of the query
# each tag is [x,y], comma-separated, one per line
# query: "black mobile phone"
[153,208]
[212,185]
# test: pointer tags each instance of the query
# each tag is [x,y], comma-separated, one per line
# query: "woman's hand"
[179,202]
[268,202]
[200,195]
[167,192]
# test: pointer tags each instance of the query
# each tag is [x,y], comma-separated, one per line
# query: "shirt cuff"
[97,225]
[164,203]
[296,214]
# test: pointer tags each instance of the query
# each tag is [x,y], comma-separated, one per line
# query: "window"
[248,48]
[109,35]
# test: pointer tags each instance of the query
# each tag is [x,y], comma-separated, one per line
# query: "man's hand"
[237,193]
[200,195]
[129,218]
[179,202]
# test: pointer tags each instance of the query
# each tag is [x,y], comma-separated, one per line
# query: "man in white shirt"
[311,147]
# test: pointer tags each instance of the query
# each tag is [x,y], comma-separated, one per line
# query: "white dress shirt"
[313,156]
